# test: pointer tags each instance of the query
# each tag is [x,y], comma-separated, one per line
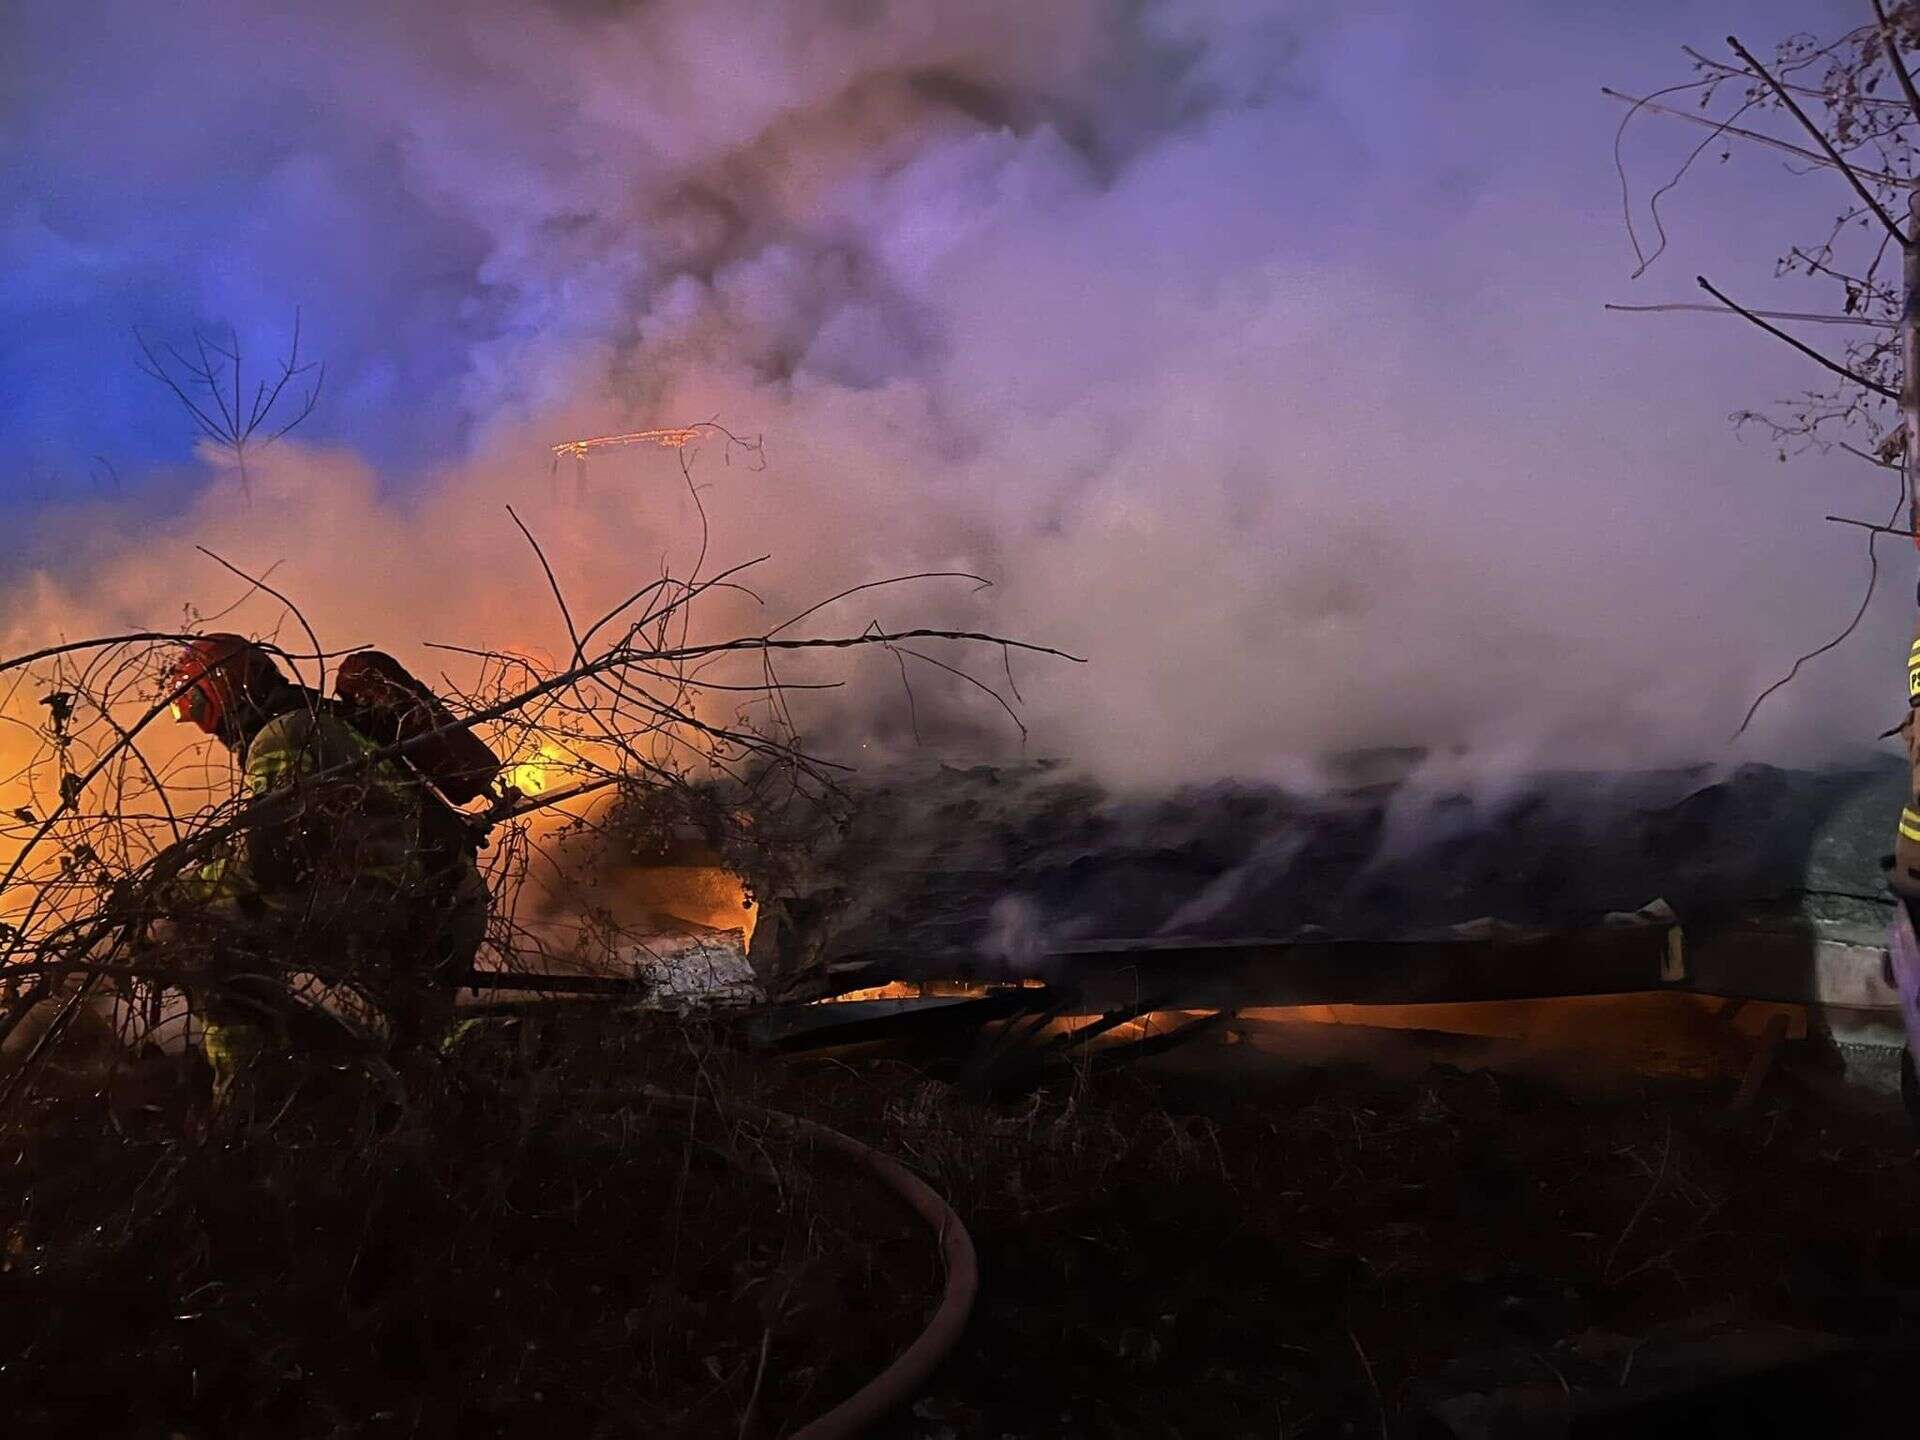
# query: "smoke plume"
[1253,350]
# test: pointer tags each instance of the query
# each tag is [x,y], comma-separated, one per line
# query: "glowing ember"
[667,439]
[931,990]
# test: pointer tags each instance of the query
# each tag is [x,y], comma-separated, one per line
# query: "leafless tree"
[1843,111]
[210,380]
[98,824]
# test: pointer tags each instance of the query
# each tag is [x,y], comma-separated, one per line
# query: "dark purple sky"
[1270,334]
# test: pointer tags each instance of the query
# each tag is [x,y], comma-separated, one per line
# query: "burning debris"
[378,820]
[675,438]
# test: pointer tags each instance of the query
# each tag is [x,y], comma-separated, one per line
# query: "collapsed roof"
[988,869]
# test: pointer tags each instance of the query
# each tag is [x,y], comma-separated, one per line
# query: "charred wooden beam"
[854,1022]
[481,980]
[1784,964]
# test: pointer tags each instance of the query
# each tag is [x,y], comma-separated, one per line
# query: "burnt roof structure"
[990,871]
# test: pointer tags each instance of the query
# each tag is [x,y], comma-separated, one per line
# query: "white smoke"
[1181,320]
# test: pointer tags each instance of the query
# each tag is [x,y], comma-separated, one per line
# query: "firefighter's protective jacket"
[1905,879]
[338,854]
[336,849]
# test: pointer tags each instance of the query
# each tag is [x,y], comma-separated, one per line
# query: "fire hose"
[894,1386]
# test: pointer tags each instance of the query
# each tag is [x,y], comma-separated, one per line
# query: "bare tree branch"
[1793,108]
[1725,71]
[227,416]
[637,717]
[260,584]
[1797,315]
[1802,347]
[135,637]
[1874,141]
[1721,127]
[1899,66]
[1867,525]
[1866,600]
[1645,261]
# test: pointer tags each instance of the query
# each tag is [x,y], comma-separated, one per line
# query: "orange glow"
[1657,1032]
[892,990]
[709,896]
[673,439]
[1669,1018]
[929,990]
[538,773]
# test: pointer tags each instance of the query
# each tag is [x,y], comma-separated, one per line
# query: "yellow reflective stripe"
[1910,825]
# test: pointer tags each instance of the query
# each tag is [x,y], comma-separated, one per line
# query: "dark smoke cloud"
[1254,350]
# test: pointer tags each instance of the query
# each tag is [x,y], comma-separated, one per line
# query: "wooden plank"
[847,1022]
[1211,976]
[1762,1061]
[1796,965]
[1791,967]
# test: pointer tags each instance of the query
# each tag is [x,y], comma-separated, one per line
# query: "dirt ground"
[1232,1240]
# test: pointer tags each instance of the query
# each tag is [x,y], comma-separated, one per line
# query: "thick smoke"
[1253,350]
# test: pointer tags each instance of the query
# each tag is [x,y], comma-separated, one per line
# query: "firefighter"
[343,866]
[1903,945]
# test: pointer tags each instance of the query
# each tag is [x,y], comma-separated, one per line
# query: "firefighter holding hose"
[345,863]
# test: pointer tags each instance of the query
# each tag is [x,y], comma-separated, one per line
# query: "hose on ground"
[894,1386]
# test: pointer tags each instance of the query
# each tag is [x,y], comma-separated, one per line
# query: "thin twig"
[1645,261]
[293,609]
[1799,315]
[980,583]
[1726,71]
[1846,168]
[1892,48]
[1867,525]
[1373,1384]
[759,1375]
[1807,350]
[1721,127]
[1873,583]
[981,686]
[1666,1153]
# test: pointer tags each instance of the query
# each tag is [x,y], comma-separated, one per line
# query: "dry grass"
[1304,1251]
[496,1257]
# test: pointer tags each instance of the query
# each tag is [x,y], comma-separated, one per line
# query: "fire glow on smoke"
[1238,344]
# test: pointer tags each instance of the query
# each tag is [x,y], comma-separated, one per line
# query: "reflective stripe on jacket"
[348,841]
[1905,879]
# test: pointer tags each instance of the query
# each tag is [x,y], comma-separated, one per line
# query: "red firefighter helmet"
[222,674]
